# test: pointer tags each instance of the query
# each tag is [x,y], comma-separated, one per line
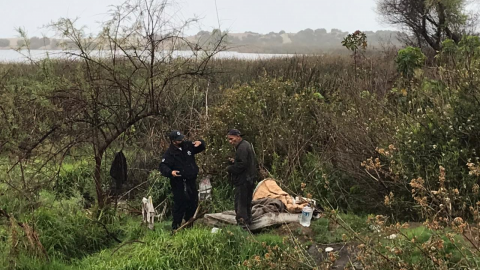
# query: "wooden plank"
[266,220]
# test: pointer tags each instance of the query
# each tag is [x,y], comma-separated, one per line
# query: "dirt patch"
[343,255]
[303,234]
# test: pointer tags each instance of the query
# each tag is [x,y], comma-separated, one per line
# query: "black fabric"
[181,159]
[185,194]
[243,203]
[118,171]
[244,168]
[185,200]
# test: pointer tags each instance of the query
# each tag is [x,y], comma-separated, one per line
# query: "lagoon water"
[25,56]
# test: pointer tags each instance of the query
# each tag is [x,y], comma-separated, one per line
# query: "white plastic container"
[307,213]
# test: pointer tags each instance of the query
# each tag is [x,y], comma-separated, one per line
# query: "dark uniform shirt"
[181,159]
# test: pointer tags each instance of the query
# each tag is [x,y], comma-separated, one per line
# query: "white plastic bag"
[148,212]
[205,189]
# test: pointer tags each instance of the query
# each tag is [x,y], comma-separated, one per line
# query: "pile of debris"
[270,206]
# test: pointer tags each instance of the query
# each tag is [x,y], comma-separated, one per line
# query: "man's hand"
[232,160]
[176,173]
[196,143]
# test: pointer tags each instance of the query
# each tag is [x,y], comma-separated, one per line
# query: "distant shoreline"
[306,41]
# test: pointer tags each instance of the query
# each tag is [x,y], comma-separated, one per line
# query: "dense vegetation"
[387,142]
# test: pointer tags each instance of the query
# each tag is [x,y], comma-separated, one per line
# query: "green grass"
[190,249]
[423,235]
[195,248]
[327,232]
[79,247]
[74,240]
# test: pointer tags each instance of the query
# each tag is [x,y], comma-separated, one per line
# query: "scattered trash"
[148,212]
[392,236]
[307,213]
[328,249]
[299,200]
[374,228]
[205,189]
[215,230]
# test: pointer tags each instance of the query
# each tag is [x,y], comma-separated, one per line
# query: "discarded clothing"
[118,171]
[270,206]
[269,188]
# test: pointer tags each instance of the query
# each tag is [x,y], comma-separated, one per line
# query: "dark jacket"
[181,159]
[244,167]
[118,171]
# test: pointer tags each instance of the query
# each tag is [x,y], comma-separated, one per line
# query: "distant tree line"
[304,41]
[4,42]
[36,43]
[33,43]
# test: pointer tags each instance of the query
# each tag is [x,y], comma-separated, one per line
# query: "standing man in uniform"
[178,164]
[243,173]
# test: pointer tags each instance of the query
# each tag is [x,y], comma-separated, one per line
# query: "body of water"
[25,56]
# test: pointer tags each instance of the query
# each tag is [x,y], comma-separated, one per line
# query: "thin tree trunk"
[98,180]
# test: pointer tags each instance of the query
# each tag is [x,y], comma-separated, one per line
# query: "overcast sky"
[260,16]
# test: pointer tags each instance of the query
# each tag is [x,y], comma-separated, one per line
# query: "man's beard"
[179,144]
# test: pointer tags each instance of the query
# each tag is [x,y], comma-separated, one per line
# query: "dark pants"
[243,204]
[185,200]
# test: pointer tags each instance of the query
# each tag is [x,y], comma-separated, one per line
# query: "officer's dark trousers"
[243,204]
[185,200]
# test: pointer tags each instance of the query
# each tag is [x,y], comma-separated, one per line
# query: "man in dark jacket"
[243,173]
[178,164]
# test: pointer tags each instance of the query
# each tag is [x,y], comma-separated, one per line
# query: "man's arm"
[200,148]
[240,163]
[166,166]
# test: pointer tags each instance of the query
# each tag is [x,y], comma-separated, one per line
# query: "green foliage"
[159,188]
[271,114]
[198,248]
[355,41]
[222,197]
[203,250]
[29,263]
[75,178]
[66,230]
[411,246]
[328,231]
[423,235]
[408,60]
[311,123]
[440,129]
[429,21]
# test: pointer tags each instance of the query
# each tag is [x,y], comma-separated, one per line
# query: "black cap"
[234,132]
[175,135]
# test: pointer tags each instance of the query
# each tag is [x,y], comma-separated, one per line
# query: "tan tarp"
[269,188]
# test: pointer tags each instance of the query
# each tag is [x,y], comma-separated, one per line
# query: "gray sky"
[260,16]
